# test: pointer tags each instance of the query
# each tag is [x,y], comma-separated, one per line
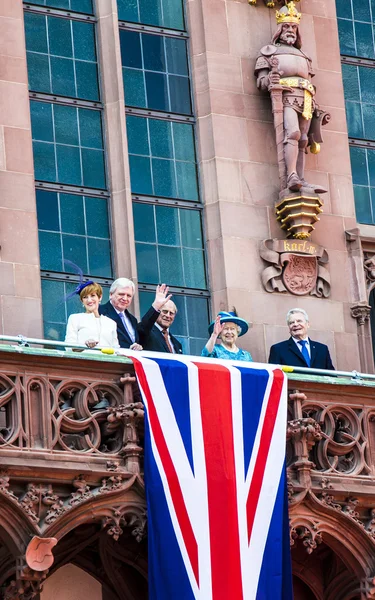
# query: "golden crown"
[288,14]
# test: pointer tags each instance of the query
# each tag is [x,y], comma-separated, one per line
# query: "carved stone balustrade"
[71,481]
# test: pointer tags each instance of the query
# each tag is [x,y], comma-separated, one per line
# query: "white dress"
[85,326]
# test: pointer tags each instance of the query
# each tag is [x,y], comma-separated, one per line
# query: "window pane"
[147,263]
[183,136]
[367,80]
[44,161]
[359,166]
[47,210]
[36,32]
[194,269]
[364,39]
[191,229]
[140,175]
[99,257]
[66,125]
[157,91]
[75,250]
[351,82]
[68,165]
[87,80]
[161,138]
[62,73]
[153,53]
[96,210]
[187,181]
[168,226]
[84,41]
[136,128]
[362,10]
[134,88]
[53,293]
[197,309]
[72,215]
[354,119]
[180,325]
[41,121]
[344,9]
[179,90]
[50,251]
[38,72]
[144,225]
[93,168]
[176,56]
[164,178]
[164,13]
[369,121]
[90,128]
[127,10]
[362,204]
[346,36]
[371,166]
[131,53]
[60,37]
[171,265]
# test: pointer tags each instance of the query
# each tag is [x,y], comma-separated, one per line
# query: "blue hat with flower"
[231,317]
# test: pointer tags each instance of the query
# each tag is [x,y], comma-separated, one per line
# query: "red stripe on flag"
[170,472]
[264,445]
[217,422]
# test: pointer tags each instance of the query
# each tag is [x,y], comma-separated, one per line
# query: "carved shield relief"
[299,273]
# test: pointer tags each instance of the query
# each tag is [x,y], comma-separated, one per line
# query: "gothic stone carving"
[306,531]
[361,311]
[285,71]
[344,445]
[298,267]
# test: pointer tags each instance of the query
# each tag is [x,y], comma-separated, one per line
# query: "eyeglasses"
[168,312]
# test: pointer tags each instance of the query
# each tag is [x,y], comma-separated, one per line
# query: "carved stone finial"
[361,311]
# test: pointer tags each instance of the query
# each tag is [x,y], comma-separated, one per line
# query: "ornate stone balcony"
[71,429]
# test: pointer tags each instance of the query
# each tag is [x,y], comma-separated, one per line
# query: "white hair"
[297,310]
[121,282]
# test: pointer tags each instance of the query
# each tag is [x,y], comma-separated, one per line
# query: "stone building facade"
[134,142]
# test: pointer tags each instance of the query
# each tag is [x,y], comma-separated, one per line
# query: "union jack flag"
[215,478]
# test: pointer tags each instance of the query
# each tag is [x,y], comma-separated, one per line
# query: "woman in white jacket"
[89,328]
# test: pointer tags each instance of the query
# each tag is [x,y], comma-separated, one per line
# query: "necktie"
[166,337]
[130,334]
[305,352]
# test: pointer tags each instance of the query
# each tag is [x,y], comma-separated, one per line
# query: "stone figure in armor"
[282,66]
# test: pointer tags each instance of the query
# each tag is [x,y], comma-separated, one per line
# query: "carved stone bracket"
[361,311]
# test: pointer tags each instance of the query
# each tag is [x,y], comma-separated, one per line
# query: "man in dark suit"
[160,338]
[128,329]
[300,350]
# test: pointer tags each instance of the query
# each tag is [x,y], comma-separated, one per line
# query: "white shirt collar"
[305,340]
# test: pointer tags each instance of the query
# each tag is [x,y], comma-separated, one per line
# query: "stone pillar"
[239,171]
[20,290]
[112,95]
